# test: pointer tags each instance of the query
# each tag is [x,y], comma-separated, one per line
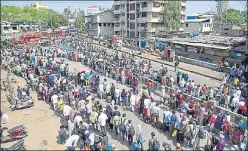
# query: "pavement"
[136,119]
[198,74]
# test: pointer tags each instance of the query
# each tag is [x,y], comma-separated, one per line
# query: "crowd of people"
[72,95]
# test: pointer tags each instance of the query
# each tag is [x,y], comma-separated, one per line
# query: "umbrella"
[80,69]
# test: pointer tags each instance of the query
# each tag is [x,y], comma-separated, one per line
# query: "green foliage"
[232,16]
[172,15]
[80,22]
[46,17]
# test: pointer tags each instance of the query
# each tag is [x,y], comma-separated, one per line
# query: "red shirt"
[204,89]
[181,99]
[135,84]
[149,84]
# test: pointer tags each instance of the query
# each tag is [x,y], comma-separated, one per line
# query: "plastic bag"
[4,118]
[174,133]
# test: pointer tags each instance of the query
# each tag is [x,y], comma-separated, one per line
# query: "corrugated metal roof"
[195,20]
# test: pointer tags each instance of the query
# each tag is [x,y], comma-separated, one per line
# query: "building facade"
[138,20]
[221,6]
[199,23]
[100,25]
[92,10]
[39,5]
[71,14]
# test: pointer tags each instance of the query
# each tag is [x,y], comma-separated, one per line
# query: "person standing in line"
[130,132]
[102,119]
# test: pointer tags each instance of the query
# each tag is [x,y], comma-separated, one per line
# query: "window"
[153,33]
[104,24]
[156,4]
[155,14]
[117,7]
[108,24]
[226,28]
[138,34]
[144,14]
[5,28]
[117,24]
[132,34]
[113,24]
[187,25]
[100,24]
[132,16]
[132,7]
[132,25]
[144,4]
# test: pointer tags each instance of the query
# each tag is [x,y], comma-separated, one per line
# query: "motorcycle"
[25,103]
[17,146]
[16,133]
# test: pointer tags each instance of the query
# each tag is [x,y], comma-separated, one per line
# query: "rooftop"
[195,20]
[210,41]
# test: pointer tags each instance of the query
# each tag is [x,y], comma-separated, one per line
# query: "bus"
[26,38]
[74,31]
[57,33]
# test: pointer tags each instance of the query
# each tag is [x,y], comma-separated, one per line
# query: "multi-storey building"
[221,6]
[138,20]
[71,14]
[39,5]
[100,25]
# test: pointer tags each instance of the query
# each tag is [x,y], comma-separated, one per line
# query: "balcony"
[142,29]
[182,12]
[117,28]
[183,4]
[117,11]
[117,2]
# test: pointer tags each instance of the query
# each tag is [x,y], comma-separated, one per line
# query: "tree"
[80,21]
[231,16]
[171,15]
[46,17]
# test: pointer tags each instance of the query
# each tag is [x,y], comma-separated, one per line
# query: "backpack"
[156,145]
[141,138]
[109,147]
[122,126]
[92,119]
[131,131]
[166,118]
[201,133]
[116,121]
[236,135]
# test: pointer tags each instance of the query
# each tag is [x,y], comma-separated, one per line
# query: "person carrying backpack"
[154,144]
[139,136]
[130,132]
[123,126]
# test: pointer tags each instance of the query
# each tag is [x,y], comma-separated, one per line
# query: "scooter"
[25,103]
[17,146]
[18,132]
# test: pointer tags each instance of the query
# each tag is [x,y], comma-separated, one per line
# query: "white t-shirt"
[101,88]
[55,98]
[118,92]
[234,101]
[89,108]
[92,139]
[72,141]
[77,119]
[108,88]
[147,103]
[133,99]
[102,119]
